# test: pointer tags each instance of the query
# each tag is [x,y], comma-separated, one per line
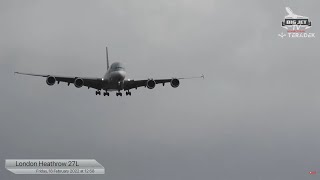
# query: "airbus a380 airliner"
[113,80]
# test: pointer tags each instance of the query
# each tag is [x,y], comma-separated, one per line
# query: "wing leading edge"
[88,82]
[131,84]
[99,84]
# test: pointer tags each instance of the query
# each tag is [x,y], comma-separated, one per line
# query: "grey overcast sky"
[255,116]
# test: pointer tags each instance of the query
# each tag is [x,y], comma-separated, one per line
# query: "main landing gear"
[128,93]
[98,92]
[106,93]
[119,93]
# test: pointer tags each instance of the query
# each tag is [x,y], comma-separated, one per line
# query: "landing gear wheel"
[98,93]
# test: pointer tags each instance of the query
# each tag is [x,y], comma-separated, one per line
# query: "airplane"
[113,80]
[292,15]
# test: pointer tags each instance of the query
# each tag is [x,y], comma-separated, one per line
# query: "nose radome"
[119,75]
[122,74]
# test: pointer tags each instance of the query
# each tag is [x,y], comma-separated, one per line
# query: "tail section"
[107,57]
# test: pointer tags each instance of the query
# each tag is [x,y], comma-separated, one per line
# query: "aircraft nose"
[118,75]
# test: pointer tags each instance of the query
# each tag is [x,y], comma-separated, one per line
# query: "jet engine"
[78,82]
[151,84]
[51,80]
[175,82]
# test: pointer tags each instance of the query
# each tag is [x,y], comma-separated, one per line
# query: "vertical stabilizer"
[107,57]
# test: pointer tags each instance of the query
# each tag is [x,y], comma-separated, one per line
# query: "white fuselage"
[115,74]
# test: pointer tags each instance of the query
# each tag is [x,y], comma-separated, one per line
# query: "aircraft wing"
[88,82]
[131,84]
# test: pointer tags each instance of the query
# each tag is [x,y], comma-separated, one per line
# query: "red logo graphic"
[313,172]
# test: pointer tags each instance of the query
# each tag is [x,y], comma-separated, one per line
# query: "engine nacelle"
[78,82]
[175,82]
[151,84]
[51,80]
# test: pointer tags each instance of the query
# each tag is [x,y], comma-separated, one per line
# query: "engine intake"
[51,80]
[151,84]
[175,82]
[78,82]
